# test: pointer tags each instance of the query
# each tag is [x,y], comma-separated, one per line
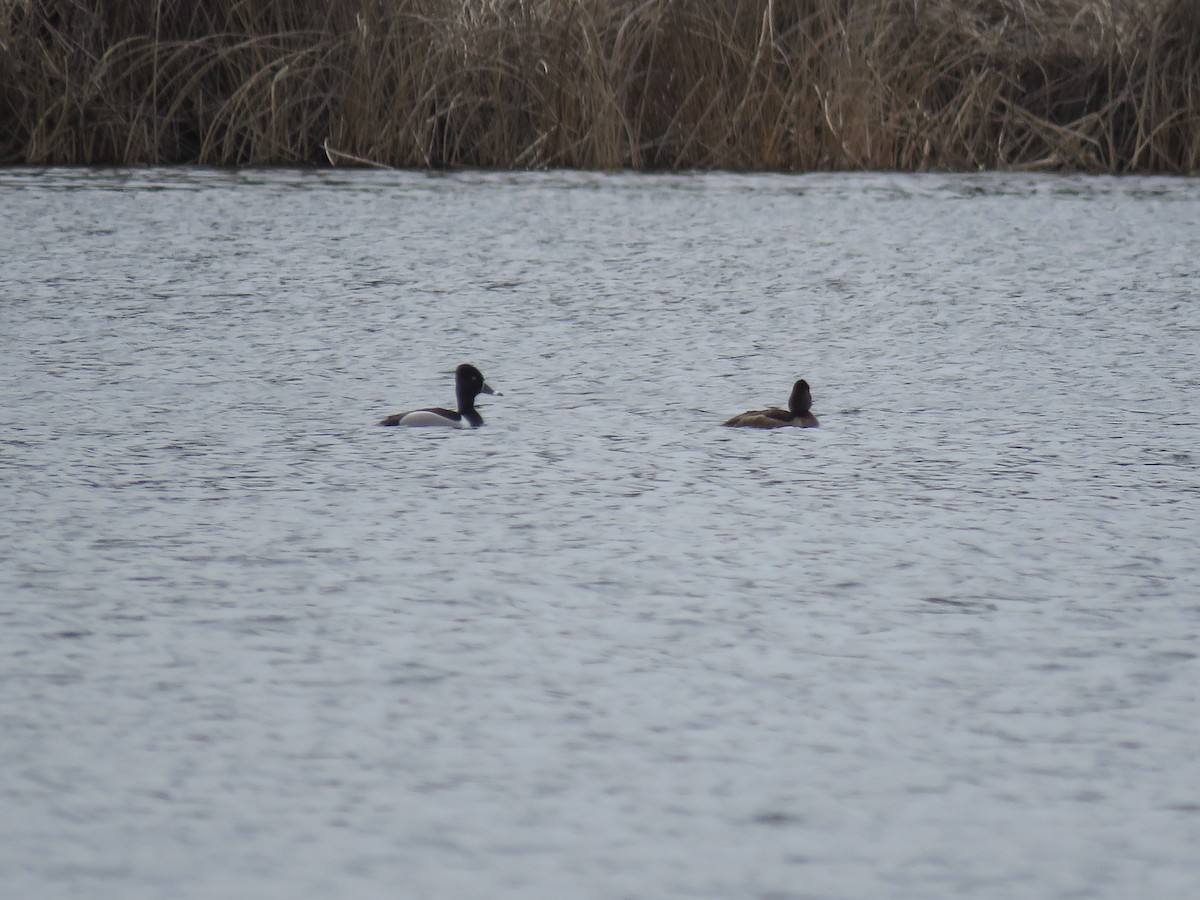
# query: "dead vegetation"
[1061,85]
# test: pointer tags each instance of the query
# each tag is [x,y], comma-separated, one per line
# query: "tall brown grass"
[1082,85]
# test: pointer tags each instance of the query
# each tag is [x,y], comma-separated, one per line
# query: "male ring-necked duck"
[796,414]
[468,384]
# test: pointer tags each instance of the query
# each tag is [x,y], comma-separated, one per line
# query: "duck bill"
[487,390]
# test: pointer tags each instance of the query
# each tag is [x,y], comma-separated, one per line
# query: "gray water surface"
[253,645]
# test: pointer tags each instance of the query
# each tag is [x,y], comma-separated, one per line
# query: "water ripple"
[602,647]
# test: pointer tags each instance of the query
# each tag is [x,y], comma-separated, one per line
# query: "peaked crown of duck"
[801,400]
[469,384]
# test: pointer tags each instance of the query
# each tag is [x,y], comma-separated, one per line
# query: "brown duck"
[796,414]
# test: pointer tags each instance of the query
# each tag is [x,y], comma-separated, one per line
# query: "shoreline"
[943,86]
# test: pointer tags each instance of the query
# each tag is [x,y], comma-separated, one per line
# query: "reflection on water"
[257,646]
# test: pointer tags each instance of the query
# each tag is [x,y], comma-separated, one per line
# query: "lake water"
[253,645]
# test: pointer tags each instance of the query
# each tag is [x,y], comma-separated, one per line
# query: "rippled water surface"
[253,645]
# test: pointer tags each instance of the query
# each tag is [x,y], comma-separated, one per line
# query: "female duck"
[468,384]
[796,414]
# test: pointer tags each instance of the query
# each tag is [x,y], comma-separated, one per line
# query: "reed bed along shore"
[1062,85]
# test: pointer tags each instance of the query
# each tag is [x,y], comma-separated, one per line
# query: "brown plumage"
[797,414]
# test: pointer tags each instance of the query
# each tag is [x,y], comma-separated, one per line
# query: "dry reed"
[1079,85]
